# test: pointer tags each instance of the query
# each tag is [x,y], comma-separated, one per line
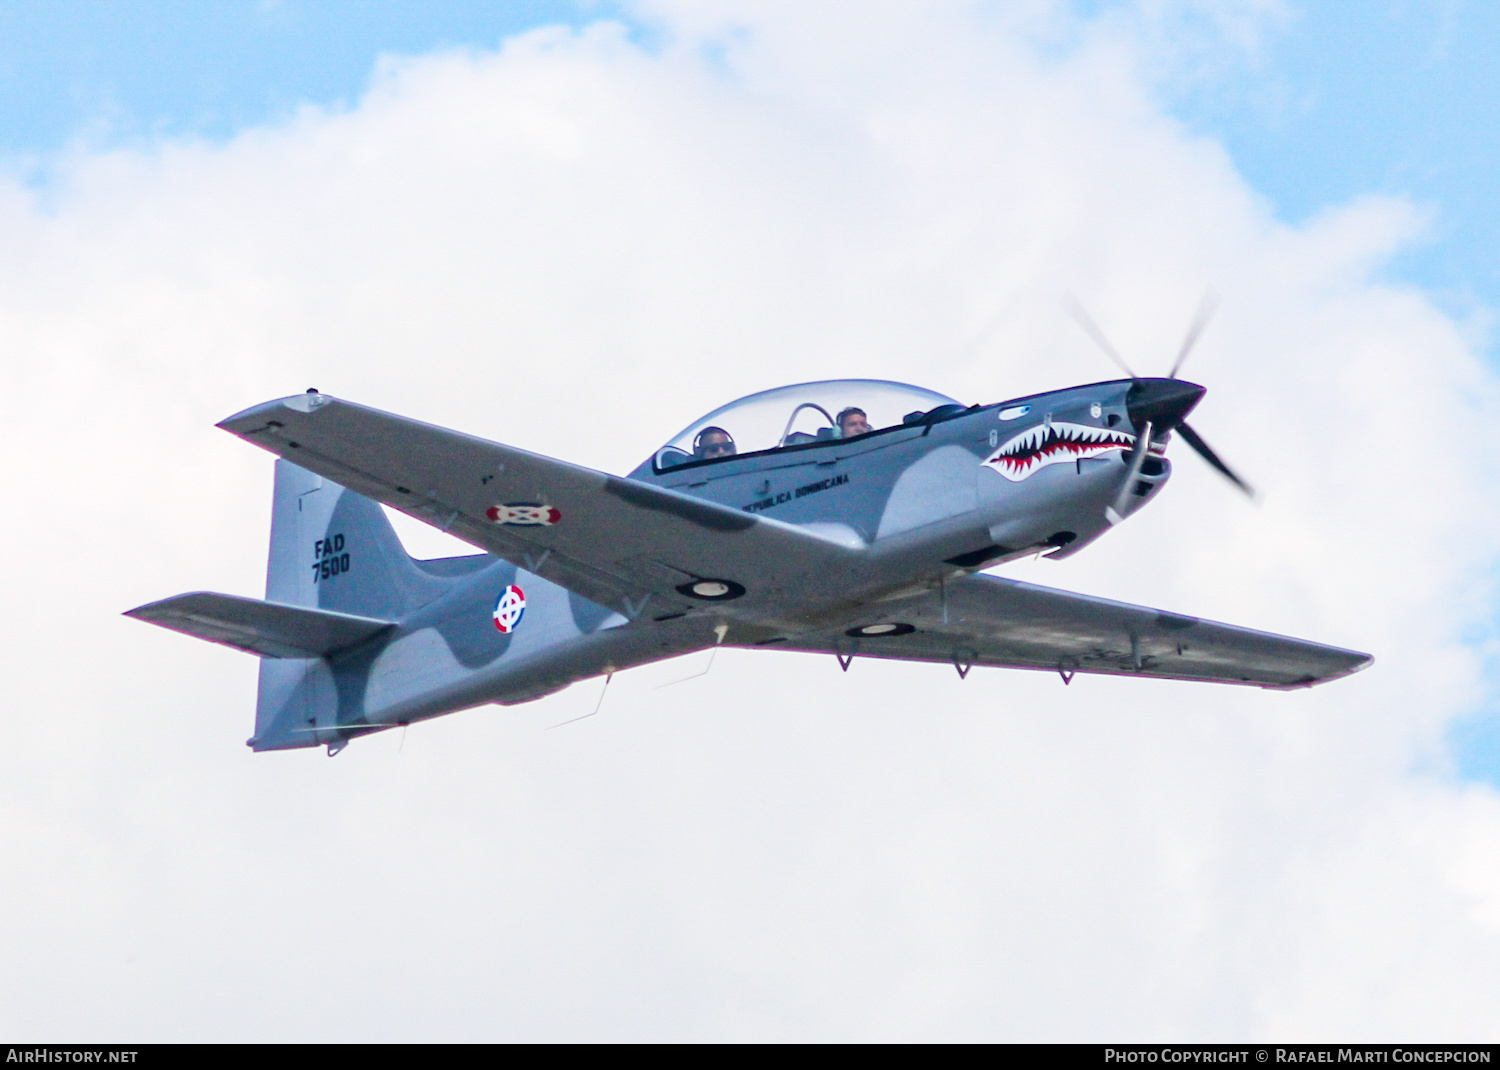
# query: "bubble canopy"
[799,415]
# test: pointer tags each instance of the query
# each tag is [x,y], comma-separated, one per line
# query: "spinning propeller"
[1159,406]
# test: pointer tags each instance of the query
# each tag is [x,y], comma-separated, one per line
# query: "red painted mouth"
[1052,443]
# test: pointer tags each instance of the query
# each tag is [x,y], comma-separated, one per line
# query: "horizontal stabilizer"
[269,629]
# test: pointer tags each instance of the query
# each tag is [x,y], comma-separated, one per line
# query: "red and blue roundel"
[524,514]
[509,609]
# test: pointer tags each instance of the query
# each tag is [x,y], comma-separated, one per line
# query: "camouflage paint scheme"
[868,546]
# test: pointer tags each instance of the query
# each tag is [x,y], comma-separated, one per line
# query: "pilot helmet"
[704,450]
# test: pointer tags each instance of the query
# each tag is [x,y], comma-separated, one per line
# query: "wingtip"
[257,417]
[143,611]
[1364,662]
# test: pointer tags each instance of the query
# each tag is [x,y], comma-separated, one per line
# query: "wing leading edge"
[620,543]
[989,620]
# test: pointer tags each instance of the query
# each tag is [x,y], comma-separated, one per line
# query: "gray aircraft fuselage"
[816,542]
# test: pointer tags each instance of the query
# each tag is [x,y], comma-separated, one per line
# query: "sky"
[1315,106]
[575,228]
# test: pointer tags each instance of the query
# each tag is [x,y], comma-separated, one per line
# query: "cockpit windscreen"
[796,415]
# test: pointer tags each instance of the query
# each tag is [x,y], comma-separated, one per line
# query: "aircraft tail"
[335,551]
[355,635]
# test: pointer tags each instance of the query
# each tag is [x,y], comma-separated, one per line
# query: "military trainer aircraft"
[848,518]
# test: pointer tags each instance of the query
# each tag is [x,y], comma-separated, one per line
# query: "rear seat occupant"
[852,422]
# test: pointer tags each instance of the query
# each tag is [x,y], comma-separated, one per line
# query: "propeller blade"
[1206,452]
[1091,329]
[1206,309]
[1115,511]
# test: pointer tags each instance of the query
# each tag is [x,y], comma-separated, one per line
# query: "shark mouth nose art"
[1054,443]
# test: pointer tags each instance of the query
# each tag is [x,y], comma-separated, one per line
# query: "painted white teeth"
[1054,443]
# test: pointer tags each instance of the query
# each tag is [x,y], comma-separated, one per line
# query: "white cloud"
[579,244]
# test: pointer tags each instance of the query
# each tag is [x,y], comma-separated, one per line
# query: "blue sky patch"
[112,73]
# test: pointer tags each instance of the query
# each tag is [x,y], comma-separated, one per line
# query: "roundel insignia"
[509,609]
[524,514]
[711,590]
[884,628]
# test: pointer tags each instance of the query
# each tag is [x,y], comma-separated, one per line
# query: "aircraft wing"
[989,620]
[618,542]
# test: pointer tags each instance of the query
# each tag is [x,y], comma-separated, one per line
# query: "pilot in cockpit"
[713,442]
[853,422]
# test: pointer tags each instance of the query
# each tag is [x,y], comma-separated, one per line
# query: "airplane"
[847,517]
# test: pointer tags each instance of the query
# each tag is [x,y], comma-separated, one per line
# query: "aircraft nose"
[1164,402]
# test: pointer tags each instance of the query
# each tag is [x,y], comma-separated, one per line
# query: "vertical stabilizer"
[334,549]
[330,549]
